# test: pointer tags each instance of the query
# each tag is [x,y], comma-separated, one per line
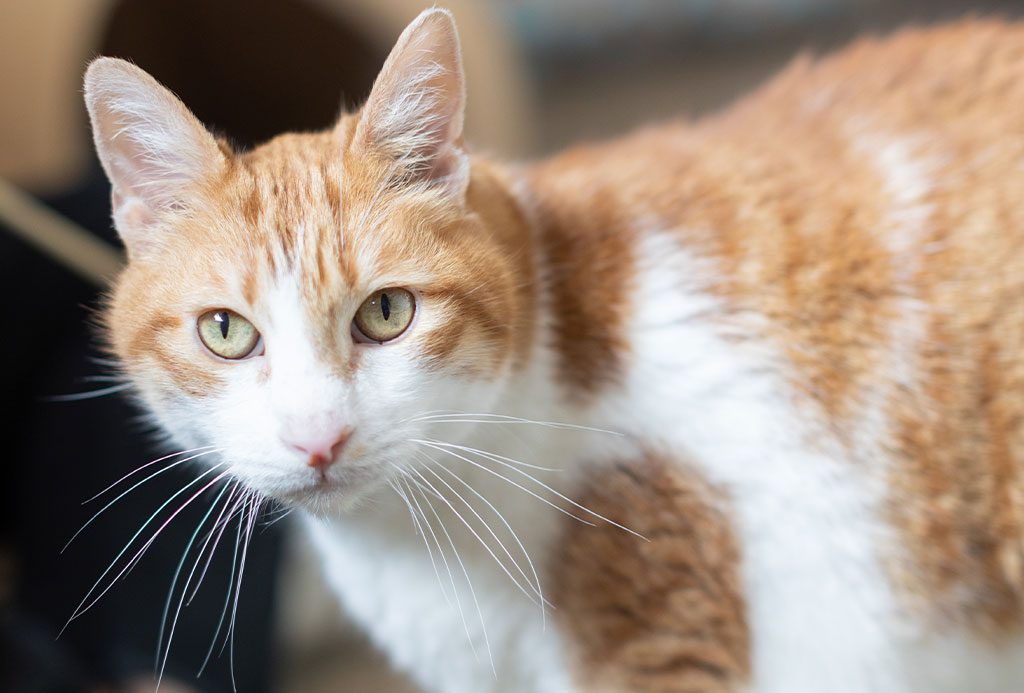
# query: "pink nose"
[322,449]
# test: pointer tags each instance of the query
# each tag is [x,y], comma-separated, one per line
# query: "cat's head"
[308,306]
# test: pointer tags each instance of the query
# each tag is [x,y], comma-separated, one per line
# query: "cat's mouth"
[319,485]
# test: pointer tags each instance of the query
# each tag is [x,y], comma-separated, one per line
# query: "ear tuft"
[414,113]
[152,148]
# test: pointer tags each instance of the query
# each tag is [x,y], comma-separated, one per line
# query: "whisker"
[423,535]
[515,537]
[465,572]
[483,543]
[137,558]
[92,394]
[283,513]
[79,610]
[104,378]
[231,584]
[504,461]
[466,417]
[244,518]
[451,576]
[174,583]
[148,464]
[253,510]
[135,486]
[505,478]
[465,448]
[219,527]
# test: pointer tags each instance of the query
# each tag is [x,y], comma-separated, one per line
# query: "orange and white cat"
[774,358]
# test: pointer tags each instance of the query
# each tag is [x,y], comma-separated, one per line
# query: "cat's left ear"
[154,151]
[415,110]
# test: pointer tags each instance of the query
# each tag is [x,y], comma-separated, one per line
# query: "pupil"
[223,319]
[385,306]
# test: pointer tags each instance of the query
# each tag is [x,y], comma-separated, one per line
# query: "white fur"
[819,607]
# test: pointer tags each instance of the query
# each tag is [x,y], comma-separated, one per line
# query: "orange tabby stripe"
[658,616]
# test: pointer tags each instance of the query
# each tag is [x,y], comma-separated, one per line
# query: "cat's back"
[960,80]
[871,193]
[848,241]
[944,102]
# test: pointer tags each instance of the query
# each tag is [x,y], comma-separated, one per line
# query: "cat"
[727,405]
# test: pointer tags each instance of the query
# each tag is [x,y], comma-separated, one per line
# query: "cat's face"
[307,307]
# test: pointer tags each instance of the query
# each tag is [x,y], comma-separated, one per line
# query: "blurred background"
[541,74]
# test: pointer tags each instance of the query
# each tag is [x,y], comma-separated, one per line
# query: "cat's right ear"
[415,110]
[152,148]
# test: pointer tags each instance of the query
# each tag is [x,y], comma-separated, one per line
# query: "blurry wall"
[42,42]
[249,68]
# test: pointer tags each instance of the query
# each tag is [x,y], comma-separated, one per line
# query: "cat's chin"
[331,495]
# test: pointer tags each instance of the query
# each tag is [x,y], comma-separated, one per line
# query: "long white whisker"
[483,543]
[451,575]
[104,378]
[132,488]
[231,584]
[79,610]
[218,527]
[253,510]
[282,514]
[505,462]
[533,570]
[174,583]
[469,582]
[467,417]
[423,535]
[92,394]
[465,448]
[504,478]
[148,464]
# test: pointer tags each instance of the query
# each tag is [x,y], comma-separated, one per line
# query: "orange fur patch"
[658,616]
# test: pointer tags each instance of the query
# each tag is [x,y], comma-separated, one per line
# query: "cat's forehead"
[305,211]
[305,206]
[292,179]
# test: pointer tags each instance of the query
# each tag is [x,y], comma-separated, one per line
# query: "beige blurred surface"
[45,45]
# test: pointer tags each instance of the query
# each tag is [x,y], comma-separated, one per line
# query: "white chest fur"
[387,583]
[450,633]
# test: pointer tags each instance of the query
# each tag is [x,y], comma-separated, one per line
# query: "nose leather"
[321,448]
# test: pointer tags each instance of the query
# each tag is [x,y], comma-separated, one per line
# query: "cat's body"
[805,317]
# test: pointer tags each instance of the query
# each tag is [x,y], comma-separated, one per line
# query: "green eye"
[385,315]
[227,334]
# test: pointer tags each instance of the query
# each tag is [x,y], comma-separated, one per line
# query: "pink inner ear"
[415,110]
[444,162]
[152,148]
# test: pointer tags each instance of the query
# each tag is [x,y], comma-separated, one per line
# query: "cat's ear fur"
[415,110]
[152,148]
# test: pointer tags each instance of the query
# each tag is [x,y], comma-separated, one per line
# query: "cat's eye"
[385,315]
[227,334]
